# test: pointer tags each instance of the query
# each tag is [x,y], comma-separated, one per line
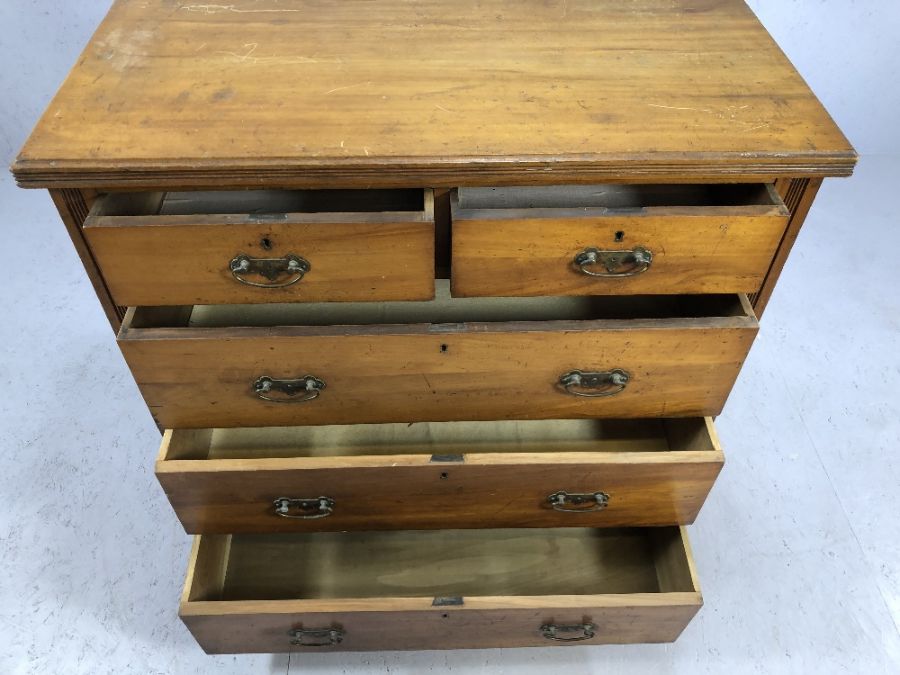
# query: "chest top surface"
[400,92]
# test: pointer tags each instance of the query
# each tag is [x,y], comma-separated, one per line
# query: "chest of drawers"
[434,307]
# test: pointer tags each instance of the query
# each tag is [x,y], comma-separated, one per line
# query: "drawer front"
[659,478]
[599,251]
[262,258]
[373,627]
[226,377]
[259,594]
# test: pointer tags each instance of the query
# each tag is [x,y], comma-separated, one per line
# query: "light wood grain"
[508,247]
[175,255]
[404,372]
[379,588]
[399,477]
[207,567]
[409,93]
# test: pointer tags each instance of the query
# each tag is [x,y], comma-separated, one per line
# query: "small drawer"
[614,239]
[449,359]
[555,473]
[439,589]
[258,246]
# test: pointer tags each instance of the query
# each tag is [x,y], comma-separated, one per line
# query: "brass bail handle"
[594,384]
[299,390]
[552,631]
[306,509]
[272,269]
[635,261]
[321,637]
[583,503]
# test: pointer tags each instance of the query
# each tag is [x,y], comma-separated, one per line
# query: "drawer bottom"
[445,589]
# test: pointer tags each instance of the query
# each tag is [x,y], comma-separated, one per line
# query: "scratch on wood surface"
[729,115]
[124,51]
[428,386]
[440,107]
[349,86]
[672,107]
[249,57]
[214,9]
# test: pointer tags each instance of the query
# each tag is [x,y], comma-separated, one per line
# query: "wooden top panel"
[412,92]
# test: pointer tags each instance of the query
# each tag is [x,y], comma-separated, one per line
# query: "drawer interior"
[442,438]
[259,202]
[613,196]
[441,563]
[444,309]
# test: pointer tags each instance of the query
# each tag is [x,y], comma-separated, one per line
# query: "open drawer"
[554,473]
[614,239]
[256,246]
[439,589]
[450,359]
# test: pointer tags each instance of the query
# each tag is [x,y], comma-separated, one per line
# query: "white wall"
[848,51]
[40,40]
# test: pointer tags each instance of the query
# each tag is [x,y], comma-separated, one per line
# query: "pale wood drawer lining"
[258,202]
[441,438]
[441,563]
[617,196]
[613,196]
[443,310]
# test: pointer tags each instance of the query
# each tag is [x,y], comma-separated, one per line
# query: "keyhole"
[444,349]
[266,243]
[620,235]
[444,475]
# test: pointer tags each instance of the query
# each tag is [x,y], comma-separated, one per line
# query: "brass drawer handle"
[324,637]
[594,502]
[551,631]
[308,509]
[270,268]
[607,382]
[637,261]
[308,385]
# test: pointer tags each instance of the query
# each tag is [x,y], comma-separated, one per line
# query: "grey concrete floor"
[798,547]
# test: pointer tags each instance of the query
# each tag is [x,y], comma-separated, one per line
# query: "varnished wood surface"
[164,258]
[499,474]
[415,93]
[203,377]
[73,207]
[798,194]
[407,624]
[700,248]
[634,585]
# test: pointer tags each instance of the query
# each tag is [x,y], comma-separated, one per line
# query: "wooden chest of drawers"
[434,307]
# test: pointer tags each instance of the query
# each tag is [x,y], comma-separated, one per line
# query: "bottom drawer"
[444,589]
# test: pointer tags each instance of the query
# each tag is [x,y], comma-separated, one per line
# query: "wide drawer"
[439,589]
[614,239]
[261,246]
[555,473]
[450,359]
